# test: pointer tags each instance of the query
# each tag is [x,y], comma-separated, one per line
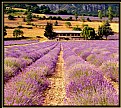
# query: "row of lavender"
[85,82]
[19,42]
[103,54]
[28,87]
[19,57]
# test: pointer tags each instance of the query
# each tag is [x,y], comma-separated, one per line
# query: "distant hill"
[85,9]
[81,9]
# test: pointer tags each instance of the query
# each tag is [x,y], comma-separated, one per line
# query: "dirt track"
[56,93]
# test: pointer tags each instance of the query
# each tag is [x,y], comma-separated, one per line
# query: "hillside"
[81,9]
[87,9]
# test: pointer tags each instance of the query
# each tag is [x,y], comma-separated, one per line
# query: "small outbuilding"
[68,35]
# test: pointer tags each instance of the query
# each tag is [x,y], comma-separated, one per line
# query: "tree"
[110,13]
[44,17]
[100,14]
[10,10]
[49,31]
[68,24]
[59,18]
[18,32]
[63,12]
[76,16]
[82,18]
[56,23]
[10,17]
[76,28]
[29,17]
[4,32]
[88,33]
[88,19]
[69,19]
[105,30]
[24,20]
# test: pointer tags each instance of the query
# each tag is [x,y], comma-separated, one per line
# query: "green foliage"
[44,17]
[10,10]
[54,18]
[68,24]
[76,28]
[76,16]
[110,13]
[10,17]
[106,23]
[83,25]
[28,23]
[105,30]
[29,27]
[56,23]
[82,18]
[29,16]
[49,31]
[59,18]
[40,18]
[69,19]
[50,17]
[20,26]
[62,12]
[100,14]
[18,32]
[88,19]
[88,33]
[25,13]
[24,20]
[44,9]
[4,31]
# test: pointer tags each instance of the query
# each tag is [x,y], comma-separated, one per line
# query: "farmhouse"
[68,35]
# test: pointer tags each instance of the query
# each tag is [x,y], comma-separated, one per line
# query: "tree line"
[88,33]
[44,9]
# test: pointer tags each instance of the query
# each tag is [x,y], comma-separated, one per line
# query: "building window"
[68,34]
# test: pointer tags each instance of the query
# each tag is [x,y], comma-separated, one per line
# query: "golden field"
[38,31]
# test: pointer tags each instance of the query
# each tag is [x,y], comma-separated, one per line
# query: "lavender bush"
[85,83]
[28,87]
[110,69]
[13,66]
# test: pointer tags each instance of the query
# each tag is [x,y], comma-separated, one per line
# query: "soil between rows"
[56,93]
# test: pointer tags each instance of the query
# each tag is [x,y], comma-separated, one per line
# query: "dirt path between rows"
[56,93]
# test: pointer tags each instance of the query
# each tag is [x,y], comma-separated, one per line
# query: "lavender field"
[88,75]
[19,42]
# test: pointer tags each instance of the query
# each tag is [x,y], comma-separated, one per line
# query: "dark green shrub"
[88,20]
[68,24]
[56,23]
[20,26]
[17,33]
[76,29]
[88,33]
[59,18]
[54,18]
[40,18]
[10,17]
[49,31]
